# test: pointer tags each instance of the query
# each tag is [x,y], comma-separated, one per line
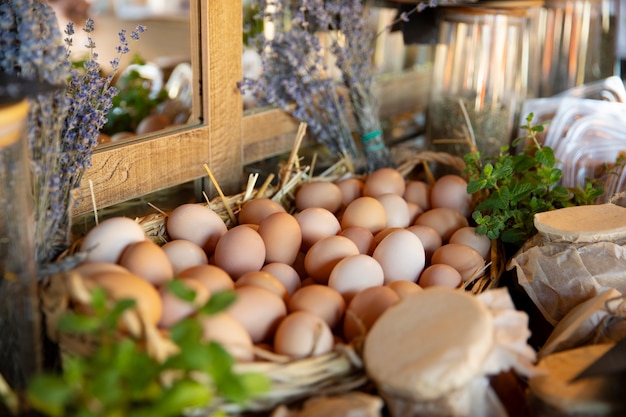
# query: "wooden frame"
[149,164]
[222,137]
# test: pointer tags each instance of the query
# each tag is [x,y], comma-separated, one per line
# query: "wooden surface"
[222,137]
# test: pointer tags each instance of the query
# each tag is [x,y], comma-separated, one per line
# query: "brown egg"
[120,285]
[362,238]
[148,260]
[401,255]
[366,212]
[324,194]
[258,310]
[196,223]
[461,257]
[265,280]
[106,241]
[240,250]
[320,300]
[431,239]
[355,273]
[396,210]
[440,275]
[467,236]
[325,254]
[222,328]
[414,211]
[184,254]
[285,274]
[351,189]
[451,191]
[282,237]
[152,123]
[214,278]
[255,210]
[404,288]
[116,137]
[301,335]
[175,309]
[384,181]
[418,192]
[378,237]
[365,308]
[315,224]
[88,268]
[444,220]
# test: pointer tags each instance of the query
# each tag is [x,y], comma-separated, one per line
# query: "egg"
[468,236]
[366,212]
[122,285]
[282,237]
[175,308]
[324,194]
[414,211]
[440,275]
[325,254]
[88,268]
[301,335]
[152,123]
[355,273]
[362,238]
[240,250]
[315,224]
[285,274]
[378,237]
[444,220]
[351,189]
[404,288]
[255,210]
[461,257]
[401,255]
[384,181]
[258,310]
[365,308]
[418,192]
[184,254]
[148,260]
[430,238]
[321,300]
[265,280]
[396,210]
[451,191]
[222,328]
[106,241]
[214,278]
[196,223]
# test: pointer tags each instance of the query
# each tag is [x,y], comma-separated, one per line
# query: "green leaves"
[121,379]
[509,189]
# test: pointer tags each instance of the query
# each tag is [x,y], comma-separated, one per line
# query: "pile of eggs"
[304,281]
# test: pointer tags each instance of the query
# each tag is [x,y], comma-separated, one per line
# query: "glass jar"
[20,340]
[579,43]
[479,78]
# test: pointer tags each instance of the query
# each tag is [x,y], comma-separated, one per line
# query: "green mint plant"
[120,378]
[509,189]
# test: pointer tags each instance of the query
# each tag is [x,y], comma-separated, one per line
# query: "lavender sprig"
[63,127]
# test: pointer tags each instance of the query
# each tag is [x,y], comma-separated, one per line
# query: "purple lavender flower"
[63,127]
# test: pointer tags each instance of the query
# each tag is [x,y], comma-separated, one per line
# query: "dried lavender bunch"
[295,79]
[63,127]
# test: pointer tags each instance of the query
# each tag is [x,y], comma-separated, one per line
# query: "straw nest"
[335,372]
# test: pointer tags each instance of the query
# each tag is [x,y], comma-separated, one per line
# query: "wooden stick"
[93,202]
[222,196]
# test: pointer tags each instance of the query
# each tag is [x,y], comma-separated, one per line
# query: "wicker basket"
[292,380]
